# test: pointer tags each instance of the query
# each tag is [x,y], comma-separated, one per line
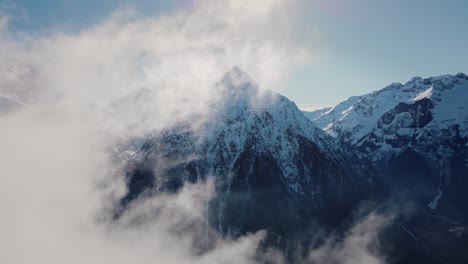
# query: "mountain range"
[279,169]
[304,175]
[416,135]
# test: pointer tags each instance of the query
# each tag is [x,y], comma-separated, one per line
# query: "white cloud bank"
[57,176]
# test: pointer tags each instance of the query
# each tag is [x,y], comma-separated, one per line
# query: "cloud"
[178,56]
[59,179]
[359,245]
[58,186]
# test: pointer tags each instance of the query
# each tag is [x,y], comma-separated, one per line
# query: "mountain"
[416,135]
[354,119]
[418,130]
[271,164]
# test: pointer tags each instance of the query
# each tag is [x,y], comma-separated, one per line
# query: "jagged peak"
[239,95]
[237,78]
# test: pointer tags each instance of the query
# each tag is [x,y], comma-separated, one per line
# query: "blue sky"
[34,15]
[369,44]
[358,45]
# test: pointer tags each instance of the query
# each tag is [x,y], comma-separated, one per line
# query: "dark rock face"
[255,198]
[454,181]
[425,238]
[140,180]
[408,169]
[392,127]
[423,158]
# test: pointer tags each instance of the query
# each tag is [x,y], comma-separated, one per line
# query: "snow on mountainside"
[380,118]
[256,142]
[245,111]
[416,134]
[325,119]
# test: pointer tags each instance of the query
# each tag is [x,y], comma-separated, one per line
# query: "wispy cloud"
[359,245]
[56,153]
[178,56]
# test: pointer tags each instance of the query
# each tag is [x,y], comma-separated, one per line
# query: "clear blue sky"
[372,43]
[34,15]
[360,45]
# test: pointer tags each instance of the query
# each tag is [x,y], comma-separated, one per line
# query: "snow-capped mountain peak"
[257,139]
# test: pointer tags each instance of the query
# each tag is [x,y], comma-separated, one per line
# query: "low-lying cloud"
[360,244]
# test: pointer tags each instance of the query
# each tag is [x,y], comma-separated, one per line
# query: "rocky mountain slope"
[401,115]
[416,134]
